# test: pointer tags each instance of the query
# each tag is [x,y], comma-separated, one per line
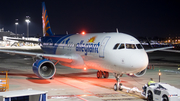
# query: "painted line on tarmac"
[134,95]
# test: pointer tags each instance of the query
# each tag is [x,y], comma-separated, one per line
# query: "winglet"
[45,20]
[149,43]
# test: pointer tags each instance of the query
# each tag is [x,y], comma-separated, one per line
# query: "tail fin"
[46,25]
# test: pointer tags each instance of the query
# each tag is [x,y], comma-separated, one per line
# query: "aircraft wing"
[62,58]
[175,51]
[156,49]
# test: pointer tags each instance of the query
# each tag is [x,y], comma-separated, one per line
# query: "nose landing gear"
[117,85]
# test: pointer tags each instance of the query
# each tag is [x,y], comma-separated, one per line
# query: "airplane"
[114,52]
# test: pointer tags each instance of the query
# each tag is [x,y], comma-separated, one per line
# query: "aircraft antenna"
[117,30]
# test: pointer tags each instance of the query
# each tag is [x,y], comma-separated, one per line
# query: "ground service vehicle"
[161,92]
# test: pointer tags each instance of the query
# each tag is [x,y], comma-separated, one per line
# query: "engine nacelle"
[44,68]
[138,74]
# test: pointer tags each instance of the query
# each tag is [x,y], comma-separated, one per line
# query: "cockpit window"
[139,46]
[116,46]
[130,46]
[121,46]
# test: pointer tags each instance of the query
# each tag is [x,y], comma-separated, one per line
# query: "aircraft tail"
[45,20]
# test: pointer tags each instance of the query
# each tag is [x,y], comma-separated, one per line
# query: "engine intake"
[44,68]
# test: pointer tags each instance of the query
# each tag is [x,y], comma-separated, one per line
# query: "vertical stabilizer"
[45,20]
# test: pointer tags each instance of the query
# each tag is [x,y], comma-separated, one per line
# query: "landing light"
[131,74]
[85,69]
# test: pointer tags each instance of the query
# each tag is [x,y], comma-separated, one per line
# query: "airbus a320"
[114,52]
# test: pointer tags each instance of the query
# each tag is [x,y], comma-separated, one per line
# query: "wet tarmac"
[79,85]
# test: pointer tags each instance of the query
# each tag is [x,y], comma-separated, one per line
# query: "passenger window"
[130,46]
[121,46]
[116,46]
[139,46]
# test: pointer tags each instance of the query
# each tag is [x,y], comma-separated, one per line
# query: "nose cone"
[139,60]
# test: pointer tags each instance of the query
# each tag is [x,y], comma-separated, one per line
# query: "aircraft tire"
[106,74]
[120,87]
[99,74]
[115,87]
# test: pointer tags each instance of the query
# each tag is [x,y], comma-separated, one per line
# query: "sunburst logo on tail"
[91,40]
[46,25]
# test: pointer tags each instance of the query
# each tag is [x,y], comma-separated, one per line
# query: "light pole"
[16,24]
[159,75]
[28,21]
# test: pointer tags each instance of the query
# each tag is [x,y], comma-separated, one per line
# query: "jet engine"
[44,68]
[138,74]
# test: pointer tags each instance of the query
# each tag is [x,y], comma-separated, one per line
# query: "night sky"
[146,18]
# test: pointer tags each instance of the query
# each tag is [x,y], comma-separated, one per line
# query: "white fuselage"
[98,51]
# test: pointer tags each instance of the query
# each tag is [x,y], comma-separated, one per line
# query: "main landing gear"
[118,84]
[101,74]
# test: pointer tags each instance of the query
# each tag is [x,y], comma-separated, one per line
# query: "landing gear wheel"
[99,74]
[120,88]
[106,74]
[165,98]
[115,87]
[150,96]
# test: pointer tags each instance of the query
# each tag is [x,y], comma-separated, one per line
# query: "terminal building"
[6,35]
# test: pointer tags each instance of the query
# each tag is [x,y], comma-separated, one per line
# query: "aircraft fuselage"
[113,52]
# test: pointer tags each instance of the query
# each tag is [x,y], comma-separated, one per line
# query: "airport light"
[28,21]
[159,75]
[16,24]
